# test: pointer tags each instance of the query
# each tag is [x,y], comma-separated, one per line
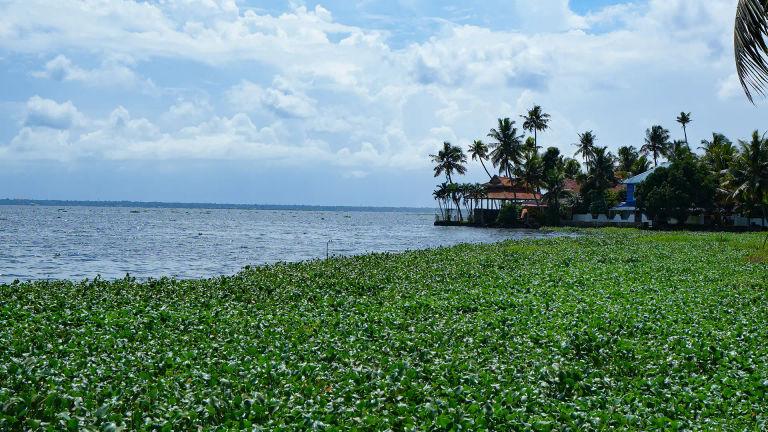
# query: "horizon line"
[204,205]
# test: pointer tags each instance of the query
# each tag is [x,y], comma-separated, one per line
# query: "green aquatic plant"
[606,330]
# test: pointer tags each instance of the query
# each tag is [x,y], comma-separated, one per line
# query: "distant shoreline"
[207,206]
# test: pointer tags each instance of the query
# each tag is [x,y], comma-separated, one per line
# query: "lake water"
[42,242]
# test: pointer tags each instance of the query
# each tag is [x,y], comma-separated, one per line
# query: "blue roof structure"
[641,177]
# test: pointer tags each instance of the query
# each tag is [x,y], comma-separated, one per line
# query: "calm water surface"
[82,242]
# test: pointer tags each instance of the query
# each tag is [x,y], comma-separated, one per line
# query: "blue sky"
[335,102]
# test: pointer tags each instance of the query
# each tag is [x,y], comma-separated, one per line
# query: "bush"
[676,191]
[508,215]
[598,204]
[537,215]
[613,198]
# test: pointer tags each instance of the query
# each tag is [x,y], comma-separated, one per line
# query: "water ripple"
[113,241]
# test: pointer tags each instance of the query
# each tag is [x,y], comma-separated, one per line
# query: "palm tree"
[678,149]
[536,120]
[719,152]
[532,173]
[641,165]
[441,196]
[684,118]
[473,193]
[586,145]
[507,148]
[600,177]
[600,169]
[530,145]
[554,183]
[571,168]
[628,156]
[479,150]
[656,143]
[751,46]
[448,160]
[747,179]
[454,191]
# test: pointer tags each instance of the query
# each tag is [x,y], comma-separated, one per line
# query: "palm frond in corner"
[750,36]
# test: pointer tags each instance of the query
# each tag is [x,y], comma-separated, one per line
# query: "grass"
[615,329]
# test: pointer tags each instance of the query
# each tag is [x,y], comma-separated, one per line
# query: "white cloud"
[47,113]
[120,136]
[114,71]
[39,143]
[283,98]
[730,87]
[548,16]
[313,89]
[144,30]
[185,112]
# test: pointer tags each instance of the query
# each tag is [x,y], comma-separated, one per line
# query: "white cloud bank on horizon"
[322,91]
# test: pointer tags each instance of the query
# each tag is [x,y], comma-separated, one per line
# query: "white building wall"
[745,222]
[602,218]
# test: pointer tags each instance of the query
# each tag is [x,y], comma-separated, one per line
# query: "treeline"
[721,179]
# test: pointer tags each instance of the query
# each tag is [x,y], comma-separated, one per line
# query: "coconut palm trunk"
[486,169]
[512,183]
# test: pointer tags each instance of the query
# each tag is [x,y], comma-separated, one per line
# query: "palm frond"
[750,46]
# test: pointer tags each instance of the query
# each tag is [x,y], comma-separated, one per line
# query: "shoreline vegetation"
[523,225]
[610,329]
[666,182]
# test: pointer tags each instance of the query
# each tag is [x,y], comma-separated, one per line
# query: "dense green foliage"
[721,184]
[674,191]
[508,215]
[611,329]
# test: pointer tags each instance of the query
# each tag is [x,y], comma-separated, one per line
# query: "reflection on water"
[82,242]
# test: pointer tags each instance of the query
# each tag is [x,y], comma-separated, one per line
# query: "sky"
[337,102]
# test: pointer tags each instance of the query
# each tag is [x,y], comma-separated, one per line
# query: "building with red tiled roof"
[514,191]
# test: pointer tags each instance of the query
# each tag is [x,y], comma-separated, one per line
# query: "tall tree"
[507,147]
[600,177]
[747,179]
[479,150]
[552,159]
[571,168]
[641,165]
[530,145]
[656,143]
[450,159]
[719,152]
[750,36]
[600,169]
[627,157]
[586,145]
[554,183]
[678,149]
[674,190]
[531,171]
[535,121]
[684,118]
[441,196]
